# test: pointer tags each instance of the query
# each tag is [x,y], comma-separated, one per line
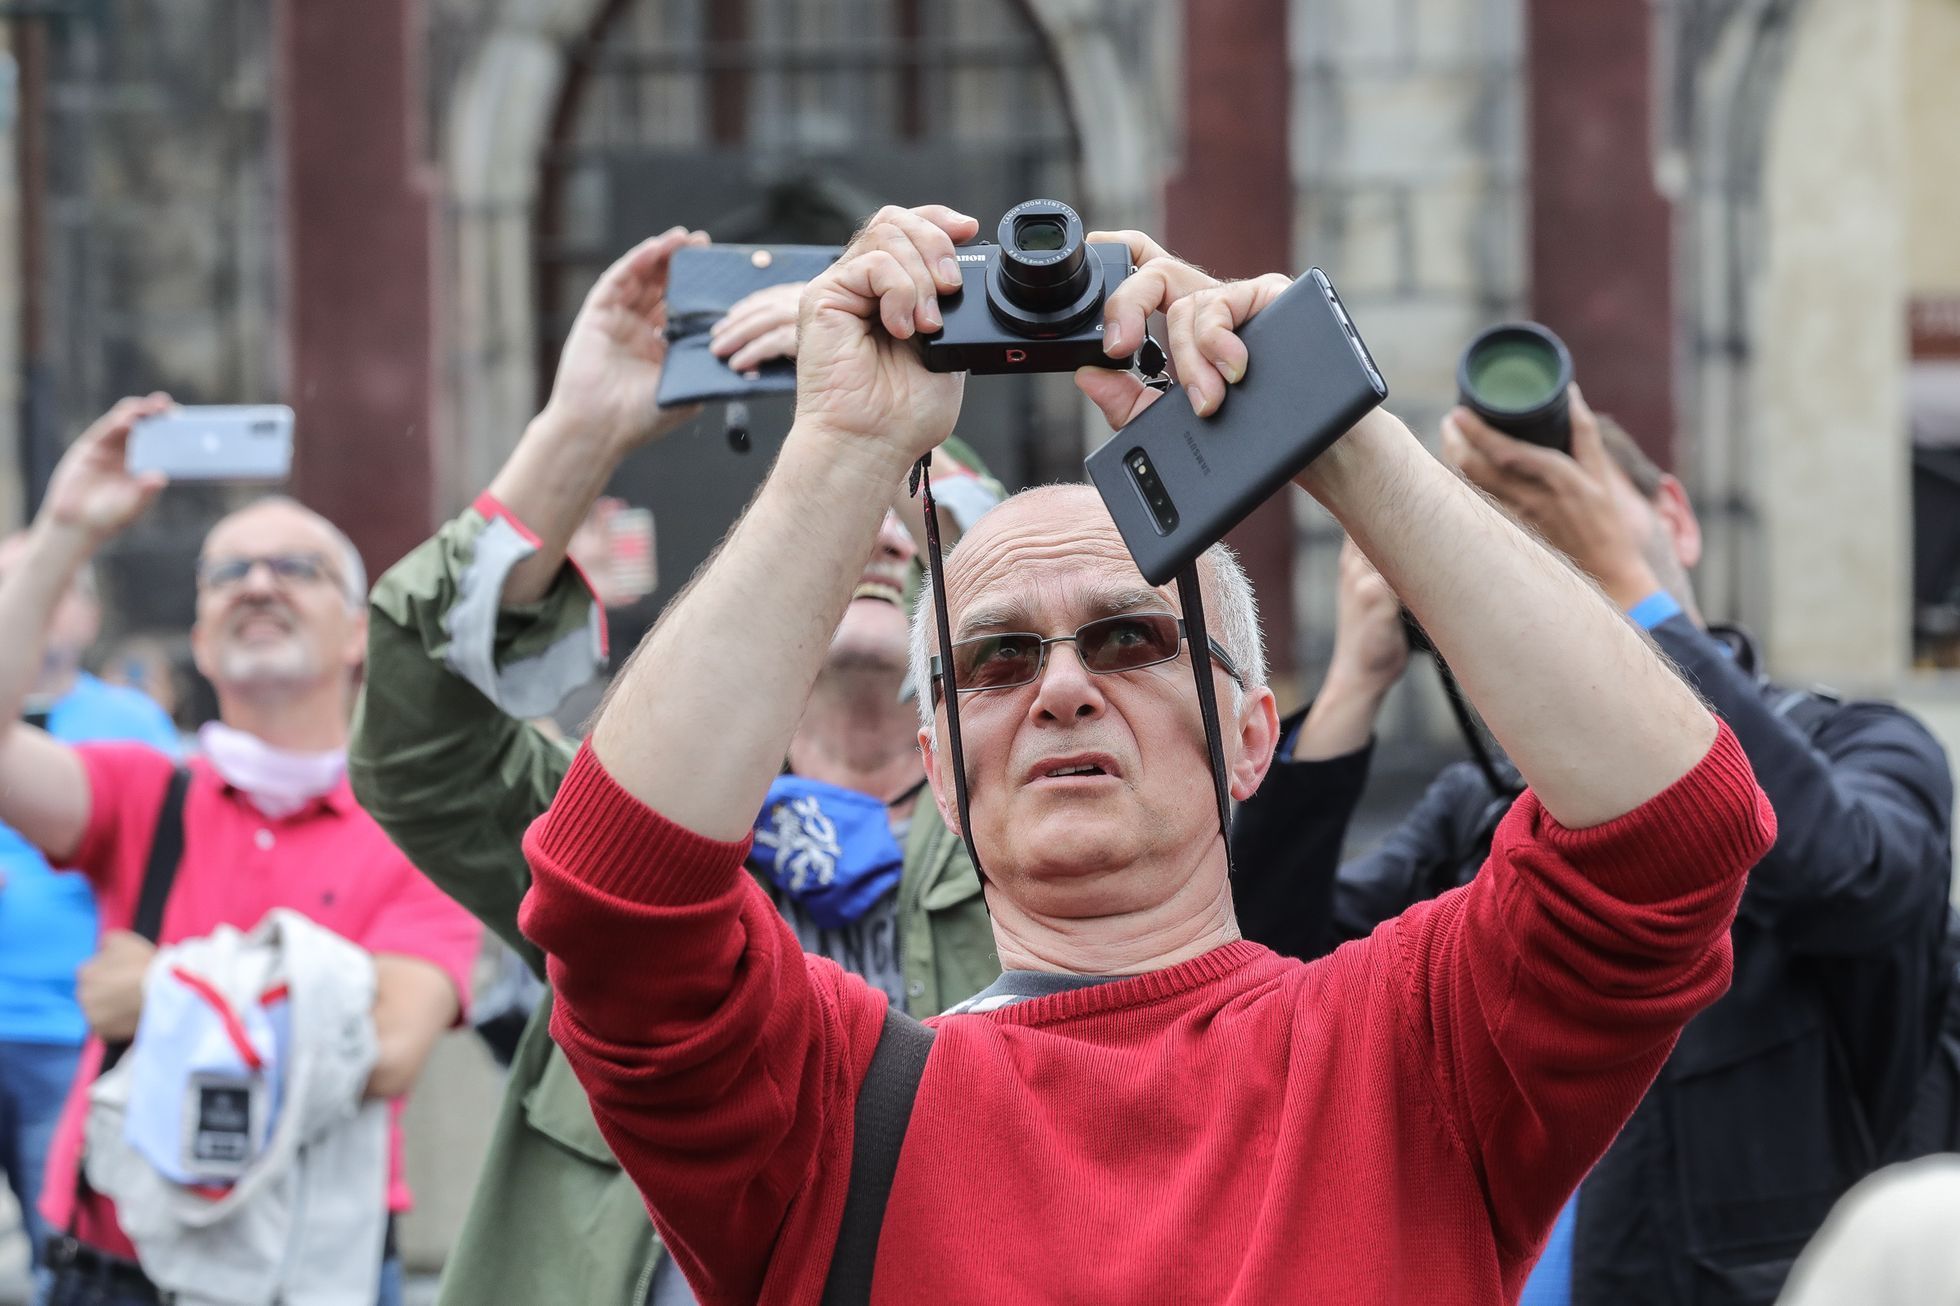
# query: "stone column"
[1408,173]
[1827,423]
[1229,208]
[1601,242]
[359,271]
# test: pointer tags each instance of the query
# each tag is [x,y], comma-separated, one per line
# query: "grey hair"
[353,572]
[1235,623]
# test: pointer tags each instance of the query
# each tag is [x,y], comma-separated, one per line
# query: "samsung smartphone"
[217,442]
[1176,482]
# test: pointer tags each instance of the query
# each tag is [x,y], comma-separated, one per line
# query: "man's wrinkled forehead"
[1041,546]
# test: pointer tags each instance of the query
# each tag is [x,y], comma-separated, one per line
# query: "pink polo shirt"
[329,861]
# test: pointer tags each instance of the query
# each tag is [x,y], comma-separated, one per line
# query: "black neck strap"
[948,689]
[1197,638]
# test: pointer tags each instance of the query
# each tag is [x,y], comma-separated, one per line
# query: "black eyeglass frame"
[316,568]
[1217,650]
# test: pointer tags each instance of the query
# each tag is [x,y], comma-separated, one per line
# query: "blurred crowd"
[1545,1038]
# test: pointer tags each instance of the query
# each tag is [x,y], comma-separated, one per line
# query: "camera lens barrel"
[1517,376]
[1043,282]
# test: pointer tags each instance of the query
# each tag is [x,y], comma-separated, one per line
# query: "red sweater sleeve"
[1545,994]
[722,1064]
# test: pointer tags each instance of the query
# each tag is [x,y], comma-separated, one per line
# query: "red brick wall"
[1230,208]
[358,302]
[1601,234]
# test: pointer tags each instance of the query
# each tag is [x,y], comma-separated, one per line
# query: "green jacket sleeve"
[442,755]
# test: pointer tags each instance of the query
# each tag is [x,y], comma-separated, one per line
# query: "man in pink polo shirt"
[269,819]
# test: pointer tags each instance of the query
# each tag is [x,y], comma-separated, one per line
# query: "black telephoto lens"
[1516,376]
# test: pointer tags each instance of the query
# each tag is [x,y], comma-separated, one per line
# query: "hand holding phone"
[216,442]
[1176,482]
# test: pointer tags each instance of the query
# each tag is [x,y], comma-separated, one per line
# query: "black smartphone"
[1176,482]
[703,283]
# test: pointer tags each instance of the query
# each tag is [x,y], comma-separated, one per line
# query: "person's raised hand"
[92,491]
[759,327]
[1371,650]
[858,374]
[1574,501]
[1202,318]
[609,369]
[1371,646]
[1160,281]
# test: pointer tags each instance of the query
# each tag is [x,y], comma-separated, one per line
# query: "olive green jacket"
[442,758]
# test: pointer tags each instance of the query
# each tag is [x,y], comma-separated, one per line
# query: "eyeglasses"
[287,569]
[1107,646]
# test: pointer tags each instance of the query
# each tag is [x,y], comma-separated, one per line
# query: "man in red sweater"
[1145,1108]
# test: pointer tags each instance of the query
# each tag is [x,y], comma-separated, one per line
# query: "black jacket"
[1798,1081]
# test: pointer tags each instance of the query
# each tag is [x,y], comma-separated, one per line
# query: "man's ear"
[1678,519]
[1258,739]
[941,781]
[355,654]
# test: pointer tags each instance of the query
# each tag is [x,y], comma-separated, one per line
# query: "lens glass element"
[1040,235]
[1513,374]
[1044,281]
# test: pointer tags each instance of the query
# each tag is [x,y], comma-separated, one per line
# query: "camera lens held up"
[1033,302]
[1516,376]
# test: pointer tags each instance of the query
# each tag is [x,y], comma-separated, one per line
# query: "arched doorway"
[774,120]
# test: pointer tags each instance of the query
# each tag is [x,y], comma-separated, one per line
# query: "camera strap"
[948,688]
[1197,641]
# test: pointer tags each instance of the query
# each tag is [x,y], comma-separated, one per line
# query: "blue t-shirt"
[47,917]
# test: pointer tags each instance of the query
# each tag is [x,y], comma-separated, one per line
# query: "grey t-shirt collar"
[1020,985]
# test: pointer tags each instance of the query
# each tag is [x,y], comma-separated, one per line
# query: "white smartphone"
[215,442]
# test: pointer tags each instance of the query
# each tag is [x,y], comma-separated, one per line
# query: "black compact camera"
[1031,303]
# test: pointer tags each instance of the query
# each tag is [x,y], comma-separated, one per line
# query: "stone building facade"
[379,211]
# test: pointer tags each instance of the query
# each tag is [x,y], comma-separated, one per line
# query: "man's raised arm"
[720,1062]
[734,657]
[1560,676]
[44,791]
[1545,996]
[484,625]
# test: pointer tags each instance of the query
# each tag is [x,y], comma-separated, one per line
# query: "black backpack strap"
[166,851]
[884,1109]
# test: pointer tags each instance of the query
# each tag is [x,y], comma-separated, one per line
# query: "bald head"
[1041,534]
[1089,791]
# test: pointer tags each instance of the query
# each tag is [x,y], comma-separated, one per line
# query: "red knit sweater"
[1399,1122]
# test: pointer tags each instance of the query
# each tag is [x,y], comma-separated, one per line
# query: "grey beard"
[270,669]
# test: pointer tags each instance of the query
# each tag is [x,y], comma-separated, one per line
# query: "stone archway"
[499,118]
[1786,151]
[1728,61]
